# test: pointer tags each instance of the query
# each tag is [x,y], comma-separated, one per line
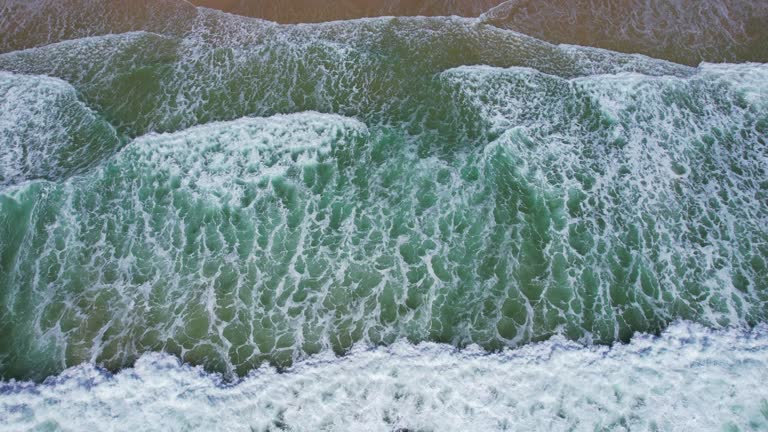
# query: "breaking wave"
[689,378]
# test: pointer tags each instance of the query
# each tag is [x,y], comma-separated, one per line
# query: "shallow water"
[305,11]
[689,379]
[234,192]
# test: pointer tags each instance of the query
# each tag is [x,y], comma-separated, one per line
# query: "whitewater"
[689,378]
[467,216]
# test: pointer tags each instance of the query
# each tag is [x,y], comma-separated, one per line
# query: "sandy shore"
[294,11]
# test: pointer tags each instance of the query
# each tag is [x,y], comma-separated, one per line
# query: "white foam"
[153,266]
[214,159]
[687,151]
[223,67]
[689,378]
[750,79]
[45,131]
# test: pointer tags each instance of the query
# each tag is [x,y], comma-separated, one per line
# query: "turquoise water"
[237,193]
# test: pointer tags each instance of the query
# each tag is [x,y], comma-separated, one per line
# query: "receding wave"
[676,30]
[380,70]
[304,11]
[690,378]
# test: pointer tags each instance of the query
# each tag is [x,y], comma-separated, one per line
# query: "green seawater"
[233,192]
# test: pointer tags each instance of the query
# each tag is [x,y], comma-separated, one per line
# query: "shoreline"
[672,381]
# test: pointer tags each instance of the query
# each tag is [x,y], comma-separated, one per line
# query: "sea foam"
[689,378]
[591,207]
[46,131]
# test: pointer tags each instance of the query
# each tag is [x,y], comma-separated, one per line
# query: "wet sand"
[678,30]
[297,11]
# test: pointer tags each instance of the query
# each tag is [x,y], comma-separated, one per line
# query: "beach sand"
[296,11]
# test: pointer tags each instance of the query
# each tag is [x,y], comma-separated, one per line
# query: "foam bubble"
[689,378]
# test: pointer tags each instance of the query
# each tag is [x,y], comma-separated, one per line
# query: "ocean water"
[689,378]
[215,221]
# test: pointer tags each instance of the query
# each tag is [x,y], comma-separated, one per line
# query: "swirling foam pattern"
[272,239]
[233,192]
[688,379]
[46,131]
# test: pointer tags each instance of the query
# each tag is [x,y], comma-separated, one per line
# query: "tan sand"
[295,11]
